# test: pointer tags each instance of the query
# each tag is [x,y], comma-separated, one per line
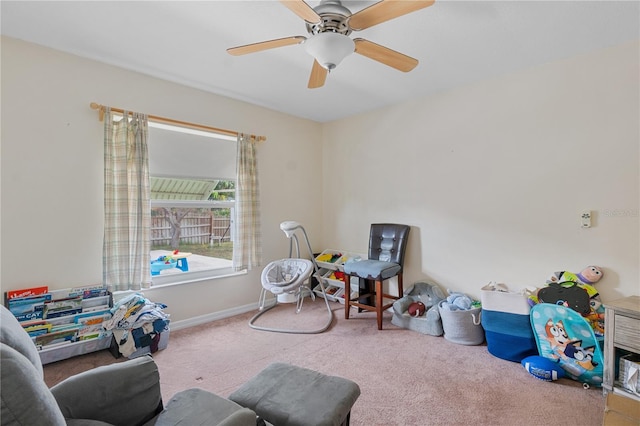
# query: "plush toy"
[585,280]
[416,309]
[457,301]
[542,368]
[589,275]
[596,320]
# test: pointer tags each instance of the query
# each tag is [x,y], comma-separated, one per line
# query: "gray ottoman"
[286,395]
[199,407]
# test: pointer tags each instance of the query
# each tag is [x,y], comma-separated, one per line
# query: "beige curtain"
[127,214]
[247,246]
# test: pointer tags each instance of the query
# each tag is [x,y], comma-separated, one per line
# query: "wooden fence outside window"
[194,229]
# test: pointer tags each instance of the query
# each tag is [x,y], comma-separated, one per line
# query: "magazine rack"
[93,299]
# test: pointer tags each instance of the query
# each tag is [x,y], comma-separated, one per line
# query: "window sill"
[160,281]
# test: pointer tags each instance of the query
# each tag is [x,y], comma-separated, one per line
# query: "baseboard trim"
[214,316]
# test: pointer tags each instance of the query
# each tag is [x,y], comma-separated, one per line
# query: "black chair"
[387,244]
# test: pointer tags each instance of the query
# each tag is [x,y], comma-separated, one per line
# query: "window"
[192,177]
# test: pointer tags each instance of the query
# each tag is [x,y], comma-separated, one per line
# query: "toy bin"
[506,323]
[330,290]
[340,295]
[462,326]
[335,259]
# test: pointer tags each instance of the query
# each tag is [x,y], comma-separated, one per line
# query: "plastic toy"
[543,368]
[162,262]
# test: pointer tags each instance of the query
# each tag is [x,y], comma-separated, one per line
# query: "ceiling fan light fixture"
[329,48]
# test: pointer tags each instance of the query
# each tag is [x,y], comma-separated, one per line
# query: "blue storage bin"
[509,336]
[506,323]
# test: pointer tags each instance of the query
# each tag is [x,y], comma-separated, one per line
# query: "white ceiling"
[456,42]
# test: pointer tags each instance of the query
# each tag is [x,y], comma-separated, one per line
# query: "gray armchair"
[124,393]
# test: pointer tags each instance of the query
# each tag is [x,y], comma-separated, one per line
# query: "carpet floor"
[406,378]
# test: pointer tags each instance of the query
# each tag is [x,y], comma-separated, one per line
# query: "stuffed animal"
[457,301]
[589,275]
[585,280]
[596,320]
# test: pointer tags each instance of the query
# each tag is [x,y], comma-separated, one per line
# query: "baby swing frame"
[290,228]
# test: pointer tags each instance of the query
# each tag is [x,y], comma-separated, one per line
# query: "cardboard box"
[621,411]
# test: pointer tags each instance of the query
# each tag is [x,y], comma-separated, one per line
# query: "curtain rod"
[101,111]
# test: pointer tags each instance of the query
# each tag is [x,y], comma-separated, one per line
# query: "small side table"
[622,331]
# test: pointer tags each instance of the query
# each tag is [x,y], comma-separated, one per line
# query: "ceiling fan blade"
[385,55]
[385,10]
[264,45]
[303,10]
[318,76]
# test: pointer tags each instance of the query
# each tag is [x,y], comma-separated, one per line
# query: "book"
[90,324]
[95,335]
[55,337]
[97,308]
[63,307]
[26,304]
[29,316]
[26,292]
[26,324]
[27,308]
[91,291]
[38,329]
[65,327]
[88,318]
[64,293]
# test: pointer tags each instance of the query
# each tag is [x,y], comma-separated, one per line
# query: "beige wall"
[492,176]
[52,171]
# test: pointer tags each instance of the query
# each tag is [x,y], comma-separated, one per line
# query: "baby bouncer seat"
[289,277]
[286,276]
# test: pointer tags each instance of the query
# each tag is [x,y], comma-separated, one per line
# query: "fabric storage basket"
[630,372]
[506,323]
[462,326]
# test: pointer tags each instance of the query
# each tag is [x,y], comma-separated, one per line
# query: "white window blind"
[179,154]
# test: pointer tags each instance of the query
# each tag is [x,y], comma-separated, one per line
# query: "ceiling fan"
[329,25]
